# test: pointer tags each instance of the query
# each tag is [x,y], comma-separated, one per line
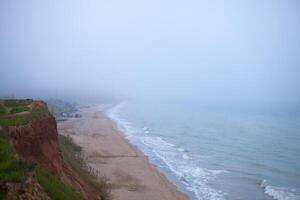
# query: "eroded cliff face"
[37,143]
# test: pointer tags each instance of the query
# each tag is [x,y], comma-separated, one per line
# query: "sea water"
[216,154]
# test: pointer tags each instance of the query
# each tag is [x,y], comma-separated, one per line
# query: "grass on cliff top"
[11,169]
[54,187]
[13,120]
[17,109]
[16,120]
[15,102]
[70,152]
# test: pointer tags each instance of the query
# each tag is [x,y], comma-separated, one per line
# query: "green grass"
[2,110]
[12,103]
[55,188]
[23,119]
[17,106]
[16,120]
[17,109]
[14,170]
[38,111]
[11,169]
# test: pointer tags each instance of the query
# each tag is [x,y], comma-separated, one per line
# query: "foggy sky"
[211,50]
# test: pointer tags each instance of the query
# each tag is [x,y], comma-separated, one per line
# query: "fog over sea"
[210,87]
[217,153]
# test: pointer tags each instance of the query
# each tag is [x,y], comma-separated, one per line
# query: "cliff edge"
[31,130]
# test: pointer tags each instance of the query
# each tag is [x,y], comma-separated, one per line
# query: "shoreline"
[108,152]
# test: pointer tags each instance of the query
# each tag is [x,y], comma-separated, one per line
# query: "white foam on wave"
[280,193]
[186,157]
[123,125]
[194,177]
[177,159]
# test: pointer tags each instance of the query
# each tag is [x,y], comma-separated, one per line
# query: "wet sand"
[107,151]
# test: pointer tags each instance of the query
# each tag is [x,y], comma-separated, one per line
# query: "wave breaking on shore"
[174,159]
[280,193]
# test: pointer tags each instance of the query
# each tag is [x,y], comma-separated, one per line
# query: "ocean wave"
[280,193]
[194,177]
[176,159]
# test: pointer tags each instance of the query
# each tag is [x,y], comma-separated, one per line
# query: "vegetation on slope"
[14,170]
[70,152]
[11,169]
[54,187]
[68,145]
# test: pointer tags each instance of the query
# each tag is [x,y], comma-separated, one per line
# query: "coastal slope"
[31,162]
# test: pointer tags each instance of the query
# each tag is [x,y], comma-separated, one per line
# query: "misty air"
[150,100]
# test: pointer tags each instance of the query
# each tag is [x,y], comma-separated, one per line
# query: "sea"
[217,153]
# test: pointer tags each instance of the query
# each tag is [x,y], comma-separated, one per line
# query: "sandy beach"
[107,151]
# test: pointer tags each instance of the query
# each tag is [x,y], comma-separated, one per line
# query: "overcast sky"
[230,50]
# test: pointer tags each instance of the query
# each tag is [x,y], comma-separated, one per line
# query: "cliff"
[37,142]
[33,135]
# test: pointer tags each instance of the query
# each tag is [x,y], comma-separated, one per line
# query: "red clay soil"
[37,142]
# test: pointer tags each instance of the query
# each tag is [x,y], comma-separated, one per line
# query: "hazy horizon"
[211,51]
